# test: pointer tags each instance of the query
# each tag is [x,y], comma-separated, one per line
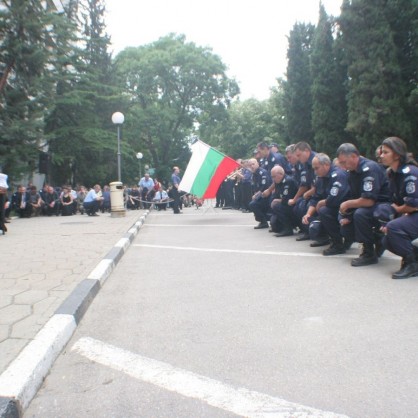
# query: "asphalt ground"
[44,260]
[206,317]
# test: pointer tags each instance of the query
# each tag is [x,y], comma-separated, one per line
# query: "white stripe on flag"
[199,152]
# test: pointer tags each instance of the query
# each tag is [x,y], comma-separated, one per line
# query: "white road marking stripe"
[279,253]
[239,401]
[198,226]
[226,250]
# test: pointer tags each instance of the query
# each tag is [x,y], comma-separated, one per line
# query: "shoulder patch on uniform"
[334,191]
[410,178]
[410,187]
[368,186]
[337,184]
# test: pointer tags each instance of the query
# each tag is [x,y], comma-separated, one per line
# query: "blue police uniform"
[404,229]
[275,158]
[307,179]
[334,189]
[246,189]
[261,181]
[282,214]
[297,171]
[368,181]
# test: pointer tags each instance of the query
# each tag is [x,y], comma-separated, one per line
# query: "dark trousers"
[246,195]
[260,208]
[176,200]
[282,218]
[299,212]
[361,228]
[2,212]
[91,207]
[329,221]
[400,232]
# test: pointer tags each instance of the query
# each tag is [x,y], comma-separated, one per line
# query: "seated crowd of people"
[54,201]
[334,202]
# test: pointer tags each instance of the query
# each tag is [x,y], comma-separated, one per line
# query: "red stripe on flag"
[226,166]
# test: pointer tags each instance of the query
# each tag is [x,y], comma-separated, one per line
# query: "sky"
[249,36]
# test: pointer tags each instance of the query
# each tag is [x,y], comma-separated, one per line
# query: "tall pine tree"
[376,94]
[25,85]
[81,135]
[297,88]
[328,93]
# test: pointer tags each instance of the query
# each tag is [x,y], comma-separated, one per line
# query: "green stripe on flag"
[206,172]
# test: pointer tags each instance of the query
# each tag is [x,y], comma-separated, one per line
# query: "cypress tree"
[297,88]
[328,93]
[80,131]
[376,95]
[24,82]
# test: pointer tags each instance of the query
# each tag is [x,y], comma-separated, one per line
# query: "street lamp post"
[118,119]
[139,155]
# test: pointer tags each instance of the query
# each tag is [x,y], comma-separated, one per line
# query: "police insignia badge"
[263,181]
[334,191]
[368,186]
[303,179]
[286,192]
[410,187]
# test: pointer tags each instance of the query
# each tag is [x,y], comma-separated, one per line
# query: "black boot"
[284,233]
[367,257]
[409,268]
[336,247]
[262,225]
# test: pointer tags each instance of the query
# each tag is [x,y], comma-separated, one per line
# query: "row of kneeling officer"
[350,199]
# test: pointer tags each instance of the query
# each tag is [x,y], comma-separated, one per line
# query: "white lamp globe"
[118,118]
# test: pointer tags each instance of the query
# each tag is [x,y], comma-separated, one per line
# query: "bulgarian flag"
[206,170]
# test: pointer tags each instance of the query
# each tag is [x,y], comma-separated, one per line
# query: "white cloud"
[249,36]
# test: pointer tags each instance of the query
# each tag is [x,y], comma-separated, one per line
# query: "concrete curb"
[20,382]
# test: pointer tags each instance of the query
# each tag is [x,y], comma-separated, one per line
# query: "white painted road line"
[278,253]
[239,401]
[199,226]
[217,250]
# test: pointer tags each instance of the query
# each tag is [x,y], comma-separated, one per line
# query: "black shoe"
[334,249]
[409,268]
[246,211]
[284,233]
[303,237]
[366,258]
[94,214]
[262,225]
[319,243]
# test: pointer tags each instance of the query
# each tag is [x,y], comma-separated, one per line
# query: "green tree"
[329,115]
[172,87]
[297,88]
[403,19]
[376,94]
[81,137]
[25,86]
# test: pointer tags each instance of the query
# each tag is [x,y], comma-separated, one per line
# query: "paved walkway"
[42,260]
